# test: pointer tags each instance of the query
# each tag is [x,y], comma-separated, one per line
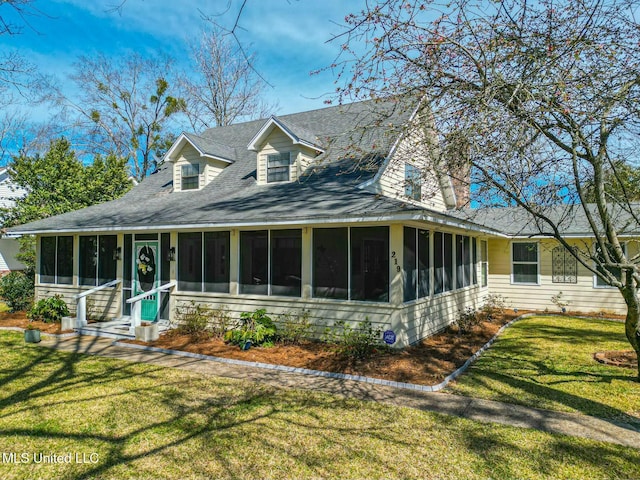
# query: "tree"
[124,107]
[59,182]
[224,87]
[538,99]
[621,183]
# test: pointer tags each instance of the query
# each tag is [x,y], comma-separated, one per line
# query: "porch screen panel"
[286,262]
[370,264]
[463,261]
[216,262]
[64,260]
[423,263]
[409,263]
[107,262]
[88,260]
[254,262]
[443,262]
[165,269]
[48,259]
[330,263]
[190,261]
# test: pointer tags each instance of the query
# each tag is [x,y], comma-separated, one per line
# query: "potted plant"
[32,334]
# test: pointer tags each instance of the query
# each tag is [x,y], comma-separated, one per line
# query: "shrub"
[294,328]
[16,289]
[255,326]
[494,306]
[560,302]
[49,310]
[201,322]
[360,342]
[467,319]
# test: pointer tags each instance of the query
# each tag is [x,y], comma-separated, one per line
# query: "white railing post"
[136,316]
[81,312]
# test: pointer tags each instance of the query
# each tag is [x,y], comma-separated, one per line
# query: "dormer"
[197,161]
[283,150]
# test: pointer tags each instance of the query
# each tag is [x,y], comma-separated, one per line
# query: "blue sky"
[289,37]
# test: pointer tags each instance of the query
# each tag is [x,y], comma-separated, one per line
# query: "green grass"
[547,362]
[145,421]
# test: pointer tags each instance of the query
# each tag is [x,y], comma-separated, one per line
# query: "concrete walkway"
[475,409]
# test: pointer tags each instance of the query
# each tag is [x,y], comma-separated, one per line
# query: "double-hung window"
[617,272]
[190,176]
[524,263]
[278,167]
[56,260]
[412,182]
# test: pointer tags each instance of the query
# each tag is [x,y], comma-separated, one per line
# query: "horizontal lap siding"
[581,295]
[322,313]
[104,304]
[431,315]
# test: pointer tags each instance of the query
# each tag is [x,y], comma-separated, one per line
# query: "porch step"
[117,329]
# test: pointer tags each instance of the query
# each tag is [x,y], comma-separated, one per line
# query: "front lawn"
[547,362]
[145,421]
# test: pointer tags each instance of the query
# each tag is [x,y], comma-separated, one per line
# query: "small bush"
[494,306]
[559,301]
[360,342]
[49,310]
[201,322]
[255,326]
[294,328]
[16,289]
[467,319]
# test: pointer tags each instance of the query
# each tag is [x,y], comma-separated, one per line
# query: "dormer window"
[190,176]
[278,167]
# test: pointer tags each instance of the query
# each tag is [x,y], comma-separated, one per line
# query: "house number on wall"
[395,261]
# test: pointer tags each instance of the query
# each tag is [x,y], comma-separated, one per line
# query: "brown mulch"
[19,319]
[618,358]
[426,363]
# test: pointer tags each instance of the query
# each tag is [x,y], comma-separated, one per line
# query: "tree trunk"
[632,299]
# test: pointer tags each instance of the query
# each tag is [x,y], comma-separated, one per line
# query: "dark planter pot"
[32,336]
[246,345]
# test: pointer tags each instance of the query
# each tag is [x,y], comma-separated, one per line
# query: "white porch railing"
[81,302]
[136,306]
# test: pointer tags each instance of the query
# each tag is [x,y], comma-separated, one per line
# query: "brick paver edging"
[340,376]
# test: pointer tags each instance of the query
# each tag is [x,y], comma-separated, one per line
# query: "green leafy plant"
[16,289]
[360,342]
[49,310]
[201,322]
[256,327]
[293,328]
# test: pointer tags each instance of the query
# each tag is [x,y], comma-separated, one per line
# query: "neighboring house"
[335,211]
[9,247]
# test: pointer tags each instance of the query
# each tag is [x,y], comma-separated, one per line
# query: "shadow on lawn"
[216,423]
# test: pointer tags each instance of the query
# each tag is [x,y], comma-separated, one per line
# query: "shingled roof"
[328,189]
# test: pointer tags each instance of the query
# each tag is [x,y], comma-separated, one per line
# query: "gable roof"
[356,139]
[297,134]
[204,146]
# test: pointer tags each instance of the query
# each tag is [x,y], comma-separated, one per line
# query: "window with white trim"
[278,167]
[617,272]
[484,263]
[56,260]
[412,182]
[524,263]
[190,176]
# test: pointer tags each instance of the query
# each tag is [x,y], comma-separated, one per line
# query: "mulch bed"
[19,319]
[618,358]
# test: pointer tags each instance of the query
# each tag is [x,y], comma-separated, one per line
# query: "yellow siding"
[209,168]
[583,296]
[415,151]
[279,142]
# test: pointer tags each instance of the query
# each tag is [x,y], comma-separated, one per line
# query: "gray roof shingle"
[349,133]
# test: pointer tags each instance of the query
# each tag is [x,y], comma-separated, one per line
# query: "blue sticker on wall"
[389,337]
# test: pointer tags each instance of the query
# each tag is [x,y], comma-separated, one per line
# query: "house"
[337,211]
[9,247]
